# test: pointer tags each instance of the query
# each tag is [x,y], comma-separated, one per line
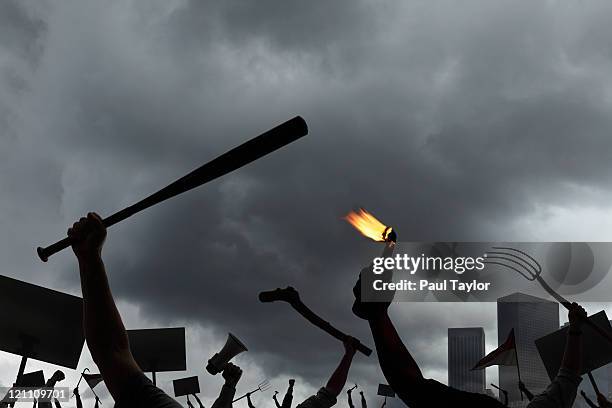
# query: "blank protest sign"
[186,386]
[157,350]
[596,350]
[40,323]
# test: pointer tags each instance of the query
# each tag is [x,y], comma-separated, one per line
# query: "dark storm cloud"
[447,121]
[20,30]
[291,26]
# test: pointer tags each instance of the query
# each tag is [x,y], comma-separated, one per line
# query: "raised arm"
[525,391]
[249,402]
[398,366]
[276,400]
[288,398]
[198,400]
[572,357]
[338,379]
[505,393]
[396,362]
[589,402]
[350,398]
[561,393]
[77,396]
[104,330]
[364,404]
[231,374]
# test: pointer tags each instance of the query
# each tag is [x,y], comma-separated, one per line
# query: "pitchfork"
[262,386]
[530,269]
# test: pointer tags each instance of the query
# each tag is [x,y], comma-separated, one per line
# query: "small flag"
[92,379]
[504,355]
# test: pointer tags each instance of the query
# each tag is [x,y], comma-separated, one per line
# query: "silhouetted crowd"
[108,343]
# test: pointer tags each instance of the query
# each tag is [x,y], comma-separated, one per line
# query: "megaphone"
[231,349]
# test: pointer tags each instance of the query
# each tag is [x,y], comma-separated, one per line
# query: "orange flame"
[368,225]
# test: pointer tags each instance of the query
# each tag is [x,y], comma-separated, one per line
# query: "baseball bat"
[242,155]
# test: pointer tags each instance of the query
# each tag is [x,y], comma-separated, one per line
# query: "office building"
[466,346]
[531,318]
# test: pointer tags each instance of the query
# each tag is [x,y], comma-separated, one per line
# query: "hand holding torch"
[370,227]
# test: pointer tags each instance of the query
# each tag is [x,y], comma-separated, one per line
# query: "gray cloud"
[450,122]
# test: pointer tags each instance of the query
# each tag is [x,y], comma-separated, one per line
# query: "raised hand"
[232,374]
[87,236]
[577,315]
[350,346]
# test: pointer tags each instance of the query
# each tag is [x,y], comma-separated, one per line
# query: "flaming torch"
[370,227]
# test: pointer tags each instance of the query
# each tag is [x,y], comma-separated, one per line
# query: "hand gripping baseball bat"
[242,155]
[291,296]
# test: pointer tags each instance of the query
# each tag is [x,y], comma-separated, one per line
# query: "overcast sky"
[472,120]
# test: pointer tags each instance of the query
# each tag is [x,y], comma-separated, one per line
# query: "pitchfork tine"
[528,271]
[509,266]
[520,252]
[264,385]
[537,269]
[524,272]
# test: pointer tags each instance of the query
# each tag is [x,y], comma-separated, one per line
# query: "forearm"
[338,379]
[288,398]
[395,360]
[276,401]
[104,329]
[525,391]
[198,400]
[589,402]
[572,357]
[350,401]
[225,397]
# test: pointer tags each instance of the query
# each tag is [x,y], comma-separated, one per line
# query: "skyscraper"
[466,346]
[531,318]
